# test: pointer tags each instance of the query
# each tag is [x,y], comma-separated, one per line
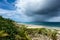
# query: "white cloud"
[30,4]
[22,6]
[7,12]
[13,14]
[3,11]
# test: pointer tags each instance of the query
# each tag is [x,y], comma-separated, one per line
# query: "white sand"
[39,26]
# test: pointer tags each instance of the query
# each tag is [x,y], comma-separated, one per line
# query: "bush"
[11,30]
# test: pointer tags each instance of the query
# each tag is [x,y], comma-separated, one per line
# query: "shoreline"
[40,26]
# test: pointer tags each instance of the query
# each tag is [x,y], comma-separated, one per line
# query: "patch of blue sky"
[7,5]
[11,1]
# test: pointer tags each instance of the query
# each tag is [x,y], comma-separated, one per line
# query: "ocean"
[51,24]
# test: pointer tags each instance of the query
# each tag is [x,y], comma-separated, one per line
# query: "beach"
[39,26]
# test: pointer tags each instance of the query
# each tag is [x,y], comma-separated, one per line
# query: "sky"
[31,10]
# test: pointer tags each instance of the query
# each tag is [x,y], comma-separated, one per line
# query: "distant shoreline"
[39,26]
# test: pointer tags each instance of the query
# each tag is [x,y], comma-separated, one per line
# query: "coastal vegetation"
[10,30]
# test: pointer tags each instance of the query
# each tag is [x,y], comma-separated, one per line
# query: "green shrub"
[10,28]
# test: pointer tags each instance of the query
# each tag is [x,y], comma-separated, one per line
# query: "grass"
[10,31]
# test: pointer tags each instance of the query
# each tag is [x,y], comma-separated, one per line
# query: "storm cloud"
[31,10]
[41,10]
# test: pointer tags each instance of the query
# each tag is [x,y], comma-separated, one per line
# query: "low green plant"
[14,32]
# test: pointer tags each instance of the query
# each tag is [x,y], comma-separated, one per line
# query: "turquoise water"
[52,24]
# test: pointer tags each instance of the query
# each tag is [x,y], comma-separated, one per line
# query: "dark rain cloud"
[51,10]
[29,14]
